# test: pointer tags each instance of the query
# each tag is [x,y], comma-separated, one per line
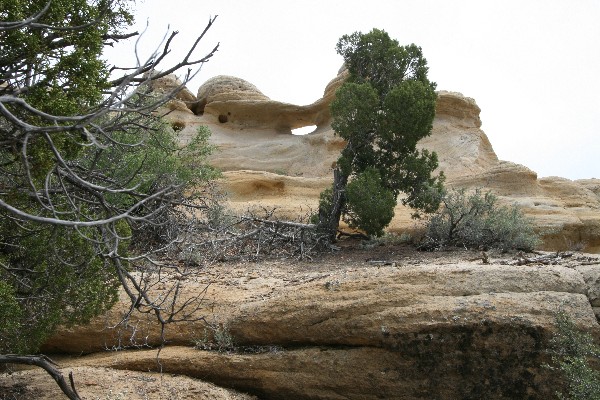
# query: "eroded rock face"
[227,88]
[415,329]
[253,134]
[184,99]
[240,105]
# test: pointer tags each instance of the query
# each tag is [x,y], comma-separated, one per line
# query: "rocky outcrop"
[252,133]
[241,105]
[418,328]
[183,99]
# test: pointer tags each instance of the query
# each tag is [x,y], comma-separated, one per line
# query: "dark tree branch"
[49,366]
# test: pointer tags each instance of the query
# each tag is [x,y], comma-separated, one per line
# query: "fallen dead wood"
[250,237]
[544,259]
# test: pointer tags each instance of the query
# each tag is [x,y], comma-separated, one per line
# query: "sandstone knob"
[183,100]
[224,88]
[454,104]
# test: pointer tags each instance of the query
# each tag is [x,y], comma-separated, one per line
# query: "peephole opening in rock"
[305,130]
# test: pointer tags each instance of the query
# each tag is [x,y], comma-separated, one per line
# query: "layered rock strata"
[414,329]
[252,133]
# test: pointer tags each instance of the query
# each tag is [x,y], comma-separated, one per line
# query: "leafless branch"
[76,194]
[49,366]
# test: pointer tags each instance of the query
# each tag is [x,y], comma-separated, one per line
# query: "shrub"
[216,338]
[571,352]
[370,205]
[476,220]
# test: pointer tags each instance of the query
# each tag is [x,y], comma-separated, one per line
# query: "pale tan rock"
[419,295]
[591,275]
[591,184]
[458,107]
[427,367]
[184,99]
[252,133]
[224,88]
[99,382]
[432,330]
[268,114]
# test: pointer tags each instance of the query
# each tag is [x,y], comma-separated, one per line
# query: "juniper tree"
[84,159]
[382,110]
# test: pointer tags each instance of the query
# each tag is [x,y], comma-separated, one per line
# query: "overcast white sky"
[531,65]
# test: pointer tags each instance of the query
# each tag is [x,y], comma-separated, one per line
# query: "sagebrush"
[475,220]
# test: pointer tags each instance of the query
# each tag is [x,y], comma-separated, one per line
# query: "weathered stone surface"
[591,275]
[183,101]
[449,365]
[106,383]
[591,184]
[224,88]
[253,134]
[458,107]
[410,330]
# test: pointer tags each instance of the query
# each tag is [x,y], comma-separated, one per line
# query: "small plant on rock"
[216,338]
[476,221]
[572,351]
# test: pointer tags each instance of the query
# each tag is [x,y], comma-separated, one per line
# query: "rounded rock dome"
[224,88]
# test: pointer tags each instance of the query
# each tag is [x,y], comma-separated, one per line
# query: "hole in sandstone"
[304,130]
[178,126]
[223,118]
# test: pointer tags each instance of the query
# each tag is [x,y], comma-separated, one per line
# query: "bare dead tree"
[76,193]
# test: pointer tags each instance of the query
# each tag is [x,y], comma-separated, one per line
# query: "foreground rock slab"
[422,326]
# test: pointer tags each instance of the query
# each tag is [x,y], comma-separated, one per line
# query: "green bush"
[150,159]
[571,352]
[476,220]
[53,277]
[370,206]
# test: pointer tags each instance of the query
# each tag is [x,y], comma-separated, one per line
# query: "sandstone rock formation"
[421,327]
[252,133]
[424,326]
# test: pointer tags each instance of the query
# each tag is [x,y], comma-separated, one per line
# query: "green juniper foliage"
[572,351]
[84,162]
[370,204]
[384,108]
[49,275]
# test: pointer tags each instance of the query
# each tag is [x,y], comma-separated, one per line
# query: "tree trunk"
[47,364]
[340,180]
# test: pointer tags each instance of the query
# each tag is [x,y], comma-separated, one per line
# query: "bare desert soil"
[258,279]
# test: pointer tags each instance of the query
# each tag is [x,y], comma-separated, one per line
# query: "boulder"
[226,88]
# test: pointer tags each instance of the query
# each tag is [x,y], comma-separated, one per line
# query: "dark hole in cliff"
[198,107]
[223,118]
[178,126]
